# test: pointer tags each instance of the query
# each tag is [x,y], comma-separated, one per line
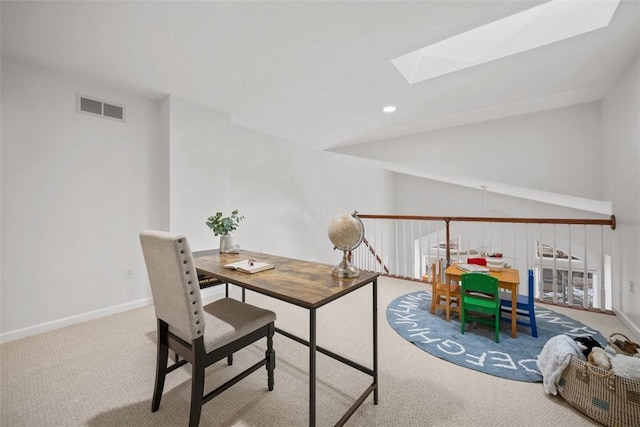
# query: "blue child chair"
[524,308]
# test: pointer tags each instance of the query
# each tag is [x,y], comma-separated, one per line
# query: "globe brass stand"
[345,270]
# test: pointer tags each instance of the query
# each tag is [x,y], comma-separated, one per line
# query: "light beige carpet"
[101,373]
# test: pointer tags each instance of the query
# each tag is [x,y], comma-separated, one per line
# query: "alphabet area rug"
[512,358]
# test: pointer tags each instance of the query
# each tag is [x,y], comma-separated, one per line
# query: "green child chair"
[480,295]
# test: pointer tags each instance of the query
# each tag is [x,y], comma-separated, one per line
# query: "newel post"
[446,222]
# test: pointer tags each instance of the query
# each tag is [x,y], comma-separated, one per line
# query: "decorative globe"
[346,233]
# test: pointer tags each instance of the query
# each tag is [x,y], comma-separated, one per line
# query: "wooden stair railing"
[611,222]
[375,255]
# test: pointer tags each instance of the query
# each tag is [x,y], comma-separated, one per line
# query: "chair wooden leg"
[434,299]
[197,383]
[271,357]
[230,359]
[162,357]
[532,321]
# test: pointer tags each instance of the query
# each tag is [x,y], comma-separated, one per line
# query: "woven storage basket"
[598,393]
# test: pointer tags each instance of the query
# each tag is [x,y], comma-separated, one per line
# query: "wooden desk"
[308,285]
[508,279]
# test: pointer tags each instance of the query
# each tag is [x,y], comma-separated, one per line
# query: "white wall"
[439,199]
[621,154]
[555,150]
[76,191]
[287,193]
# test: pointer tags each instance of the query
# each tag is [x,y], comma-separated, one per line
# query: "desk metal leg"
[514,310]
[375,341]
[312,367]
[226,292]
[314,349]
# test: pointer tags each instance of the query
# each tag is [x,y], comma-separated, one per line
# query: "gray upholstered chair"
[200,335]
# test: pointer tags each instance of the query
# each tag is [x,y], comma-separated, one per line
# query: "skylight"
[539,26]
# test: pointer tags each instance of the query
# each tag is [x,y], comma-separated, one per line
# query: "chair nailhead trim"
[191,287]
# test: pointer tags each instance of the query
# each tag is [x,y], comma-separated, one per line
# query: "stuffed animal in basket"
[586,344]
[625,346]
[599,358]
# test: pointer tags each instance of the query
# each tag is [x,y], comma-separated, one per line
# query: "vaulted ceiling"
[313,72]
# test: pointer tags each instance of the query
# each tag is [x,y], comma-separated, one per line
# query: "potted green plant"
[223,227]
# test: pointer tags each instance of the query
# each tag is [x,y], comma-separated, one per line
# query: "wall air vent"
[97,107]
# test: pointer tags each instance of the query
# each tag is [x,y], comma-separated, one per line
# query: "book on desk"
[249,266]
[473,268]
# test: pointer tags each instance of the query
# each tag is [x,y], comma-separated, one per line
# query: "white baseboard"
[79,318]
[627,322]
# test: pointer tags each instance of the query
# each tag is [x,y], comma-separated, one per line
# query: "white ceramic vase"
[227,245]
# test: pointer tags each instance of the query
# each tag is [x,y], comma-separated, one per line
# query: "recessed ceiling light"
[539,26]
[389,109]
